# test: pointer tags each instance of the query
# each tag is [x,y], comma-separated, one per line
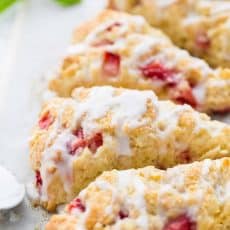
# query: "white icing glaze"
[218,7]
[222,189]
[135,199]
[145,44]
[206,167]
[165,3]
[216,82]
[199,91]
[191,18]
[63,167]
[123,144]
[214,128]
[11,192]
[136,21]
[127,180]
[173,185]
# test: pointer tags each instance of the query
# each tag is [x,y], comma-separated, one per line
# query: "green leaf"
[4,4]
[68,2]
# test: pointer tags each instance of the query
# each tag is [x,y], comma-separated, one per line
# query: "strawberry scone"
[187,197]
[200,26]
[124,51]
[104,128]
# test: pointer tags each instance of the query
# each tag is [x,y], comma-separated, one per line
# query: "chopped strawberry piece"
[79,133]
[78,143]
[180,223]
[95,142]
[74,146]
[123,214]
[38,179]
[45,121]
[157,71]
[111,64]
[77,203]
[202,41]
[186,97]
[115,24]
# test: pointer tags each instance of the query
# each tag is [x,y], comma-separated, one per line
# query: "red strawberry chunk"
[78,143]
[45,121]
[202,41]
[95,142]
[111,64]
[79,133]
[180,223]
[76,203]
[72,147]
[186,97]
[157,71]
[38,179]
[123,214]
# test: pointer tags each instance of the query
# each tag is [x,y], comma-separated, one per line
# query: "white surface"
[12,192]
[33,37]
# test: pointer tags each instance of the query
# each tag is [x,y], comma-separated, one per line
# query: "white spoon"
[11,192]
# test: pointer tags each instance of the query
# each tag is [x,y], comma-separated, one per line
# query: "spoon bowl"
[12,192]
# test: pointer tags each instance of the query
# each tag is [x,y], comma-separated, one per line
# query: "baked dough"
[187,197]
[105,128]
[124,51]
[200,26]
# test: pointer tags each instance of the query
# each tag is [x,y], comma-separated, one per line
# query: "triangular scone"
[124,51]
[104,128]
[200,26]
[187,197]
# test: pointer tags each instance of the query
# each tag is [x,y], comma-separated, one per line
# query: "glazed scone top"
[121,44]
[149,198]
[94,117]
[86,110]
